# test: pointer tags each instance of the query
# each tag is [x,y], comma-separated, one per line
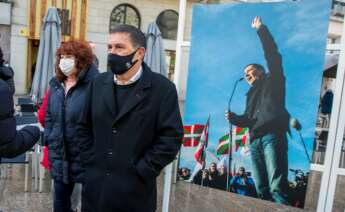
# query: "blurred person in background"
[243,184]
[95,59]
[12,142]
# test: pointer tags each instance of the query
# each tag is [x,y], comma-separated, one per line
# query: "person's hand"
[229,115]
[256,23]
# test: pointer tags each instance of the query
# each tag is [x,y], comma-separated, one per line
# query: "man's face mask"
[121,64]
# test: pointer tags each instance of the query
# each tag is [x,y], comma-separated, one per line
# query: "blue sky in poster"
[223,43]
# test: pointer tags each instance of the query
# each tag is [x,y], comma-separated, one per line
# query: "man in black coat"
[267,119]
[130,130]
[12,142]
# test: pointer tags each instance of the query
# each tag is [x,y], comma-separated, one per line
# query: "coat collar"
[139,93]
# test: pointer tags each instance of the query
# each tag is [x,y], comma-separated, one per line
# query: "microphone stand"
[305,147]
[230,135]
[298,127]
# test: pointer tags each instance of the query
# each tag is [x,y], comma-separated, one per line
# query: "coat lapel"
[109,94]
[138,94]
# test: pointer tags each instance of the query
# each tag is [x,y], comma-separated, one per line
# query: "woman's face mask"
[67,66]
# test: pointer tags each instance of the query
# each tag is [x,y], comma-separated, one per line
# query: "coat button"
[114,131]
[107,173]
[110,153]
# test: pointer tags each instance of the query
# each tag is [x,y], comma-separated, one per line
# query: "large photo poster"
[253,90]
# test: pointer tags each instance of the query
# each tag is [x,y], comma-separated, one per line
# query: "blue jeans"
[62,196]
[269,155]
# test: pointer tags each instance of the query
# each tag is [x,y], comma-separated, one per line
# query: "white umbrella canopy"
[155,56]
[49,42]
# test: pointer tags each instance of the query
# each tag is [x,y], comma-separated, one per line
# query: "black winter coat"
[265,105]
[60,127]
[123,152]
[6,73]
[13,142]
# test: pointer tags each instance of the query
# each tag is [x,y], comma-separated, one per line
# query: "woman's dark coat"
[60,127]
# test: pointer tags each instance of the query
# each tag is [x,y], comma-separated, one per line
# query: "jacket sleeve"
[84,128]
[240,120]
[23,140]
[169,133]
[13,142]
[272,55]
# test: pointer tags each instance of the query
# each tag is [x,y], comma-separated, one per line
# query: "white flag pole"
[177,73]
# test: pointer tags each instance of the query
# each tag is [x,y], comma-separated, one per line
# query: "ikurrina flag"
[223,147]
[192,134]
[240,138]
[200,154]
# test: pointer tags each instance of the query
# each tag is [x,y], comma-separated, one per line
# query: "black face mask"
[120,64]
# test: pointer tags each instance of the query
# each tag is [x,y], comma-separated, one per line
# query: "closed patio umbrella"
[49,42]
[154,56]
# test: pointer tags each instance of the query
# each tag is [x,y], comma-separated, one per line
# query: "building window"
[124,14]
[170,57]
[65,21]
[338,8]
[167,22]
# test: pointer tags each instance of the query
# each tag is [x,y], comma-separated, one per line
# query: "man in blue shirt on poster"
[243,184]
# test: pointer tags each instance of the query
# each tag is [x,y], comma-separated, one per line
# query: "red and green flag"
[224,144]
[241,137]
[200,154]
[192,134]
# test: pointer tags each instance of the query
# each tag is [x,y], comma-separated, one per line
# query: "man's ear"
[261,73]
[141,53]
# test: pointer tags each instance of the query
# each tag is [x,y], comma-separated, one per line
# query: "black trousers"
[62,196]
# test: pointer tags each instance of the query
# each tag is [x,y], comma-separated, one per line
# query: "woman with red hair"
[74,71]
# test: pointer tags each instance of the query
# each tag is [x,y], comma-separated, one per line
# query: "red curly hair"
[82,53]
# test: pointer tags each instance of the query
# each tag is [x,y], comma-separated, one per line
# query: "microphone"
[230,135]
[294,123]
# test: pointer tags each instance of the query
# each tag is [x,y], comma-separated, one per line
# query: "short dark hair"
[257,66]
[137,36]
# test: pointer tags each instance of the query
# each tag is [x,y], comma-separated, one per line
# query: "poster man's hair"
[257,66]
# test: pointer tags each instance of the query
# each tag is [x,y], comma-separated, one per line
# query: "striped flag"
[200,154]
[192,134]
[240,139]
[223,147]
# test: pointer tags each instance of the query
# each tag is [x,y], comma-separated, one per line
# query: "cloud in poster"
[305,26]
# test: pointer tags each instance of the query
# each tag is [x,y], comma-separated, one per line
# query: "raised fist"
[256,23]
